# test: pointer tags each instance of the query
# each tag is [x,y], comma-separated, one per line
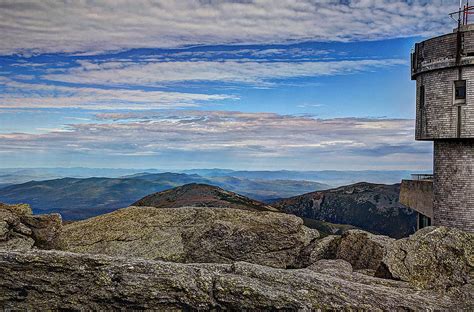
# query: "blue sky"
[197,84]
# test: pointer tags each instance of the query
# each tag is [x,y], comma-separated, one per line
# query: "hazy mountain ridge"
[372,207]
[78,198]
[330,177]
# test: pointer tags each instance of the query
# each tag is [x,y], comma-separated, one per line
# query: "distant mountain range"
[372,207]
[330,177]
[77,198]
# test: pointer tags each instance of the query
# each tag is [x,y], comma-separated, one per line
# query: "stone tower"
[443,68]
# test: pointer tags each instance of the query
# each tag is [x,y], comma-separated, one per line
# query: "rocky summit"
[227,259]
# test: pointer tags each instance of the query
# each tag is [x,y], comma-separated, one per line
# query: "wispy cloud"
[217,137]
[247,72]
[38,95]
[97,26]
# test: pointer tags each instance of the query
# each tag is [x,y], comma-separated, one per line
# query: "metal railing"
[422,177]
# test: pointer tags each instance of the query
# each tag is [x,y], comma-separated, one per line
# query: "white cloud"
[96,26]
[30,95]
[248,72]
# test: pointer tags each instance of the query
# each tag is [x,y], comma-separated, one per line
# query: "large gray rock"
[20,229]
[193,235]
[325,248]
[363,250]
[433,258]
[51,280]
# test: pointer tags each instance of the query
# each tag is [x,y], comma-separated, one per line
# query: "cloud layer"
[217,138]
[98,26]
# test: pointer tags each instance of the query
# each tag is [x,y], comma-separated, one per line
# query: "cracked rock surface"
[63,280]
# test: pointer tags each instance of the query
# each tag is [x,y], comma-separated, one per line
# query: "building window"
[460,92]
[423,221]
[422,96]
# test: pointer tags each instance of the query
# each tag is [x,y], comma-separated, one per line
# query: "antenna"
[466,11]
[451,15]
[463,13]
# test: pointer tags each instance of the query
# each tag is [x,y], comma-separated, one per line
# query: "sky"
[249,84]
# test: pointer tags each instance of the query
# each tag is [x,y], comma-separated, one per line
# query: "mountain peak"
[201,195]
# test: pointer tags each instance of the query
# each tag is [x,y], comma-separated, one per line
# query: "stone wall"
[433,51]
[454,183]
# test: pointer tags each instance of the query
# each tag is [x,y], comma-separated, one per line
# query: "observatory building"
[443,68]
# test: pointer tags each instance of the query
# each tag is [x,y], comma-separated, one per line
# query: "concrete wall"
[454,183]
[418,195]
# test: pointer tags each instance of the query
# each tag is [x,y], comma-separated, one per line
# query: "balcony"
[417,194]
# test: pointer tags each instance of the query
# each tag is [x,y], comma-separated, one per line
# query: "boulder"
[363,250]
[193,235]
[20,229]
[53,280]
[433,258]
[325,248]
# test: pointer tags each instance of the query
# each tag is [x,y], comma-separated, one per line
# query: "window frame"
[422,96]
[459,100]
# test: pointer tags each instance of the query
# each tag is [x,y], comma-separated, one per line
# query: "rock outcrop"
[193,235]
[434,258]
[52,280]
[20,229]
